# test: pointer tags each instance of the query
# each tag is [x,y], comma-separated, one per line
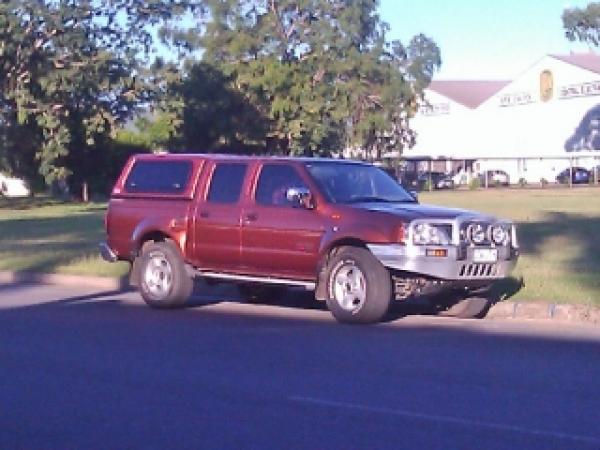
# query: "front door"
[280,238]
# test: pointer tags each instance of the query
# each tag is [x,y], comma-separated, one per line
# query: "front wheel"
[359,287]
[163,280]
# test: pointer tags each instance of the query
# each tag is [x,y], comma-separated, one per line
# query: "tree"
[217,117]
[583,24]
[74,69]
[320,71]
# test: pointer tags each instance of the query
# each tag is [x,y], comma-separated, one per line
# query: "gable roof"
[588,61]
[470,93]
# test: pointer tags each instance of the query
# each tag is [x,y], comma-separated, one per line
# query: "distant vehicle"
[13,187]
[578,175]
[439,180]
[494,178]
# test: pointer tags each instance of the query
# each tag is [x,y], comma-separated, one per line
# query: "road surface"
[86,369]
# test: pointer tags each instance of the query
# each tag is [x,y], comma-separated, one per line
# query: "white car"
[13,187]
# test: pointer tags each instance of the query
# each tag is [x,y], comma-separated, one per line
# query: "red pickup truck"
[345,229]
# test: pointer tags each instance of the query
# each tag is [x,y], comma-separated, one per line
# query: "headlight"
[427,234]
[498,234]
[476,233]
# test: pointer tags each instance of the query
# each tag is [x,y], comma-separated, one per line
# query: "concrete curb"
[109,284]
[503,310]
[562,312]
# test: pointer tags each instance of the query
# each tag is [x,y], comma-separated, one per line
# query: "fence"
[523,171]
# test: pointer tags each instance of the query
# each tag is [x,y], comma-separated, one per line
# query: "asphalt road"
[81,369]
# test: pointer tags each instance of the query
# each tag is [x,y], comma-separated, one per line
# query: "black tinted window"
[159,177]
[226,183]
[273,183]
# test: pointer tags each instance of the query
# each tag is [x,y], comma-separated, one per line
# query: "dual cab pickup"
[344,229]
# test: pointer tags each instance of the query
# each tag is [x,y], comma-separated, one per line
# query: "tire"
[163,280]
[256,293]
[469,308]
[359,287]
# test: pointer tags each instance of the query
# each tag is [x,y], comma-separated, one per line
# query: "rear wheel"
[163,280]
[359,287]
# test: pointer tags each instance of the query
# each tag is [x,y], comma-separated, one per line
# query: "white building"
[531,127]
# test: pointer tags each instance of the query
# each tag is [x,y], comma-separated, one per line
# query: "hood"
[411,211]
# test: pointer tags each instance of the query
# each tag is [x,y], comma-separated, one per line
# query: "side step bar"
[308,285]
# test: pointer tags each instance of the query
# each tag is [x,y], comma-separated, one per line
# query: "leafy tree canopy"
[320,72]
[281,76]
[70,70]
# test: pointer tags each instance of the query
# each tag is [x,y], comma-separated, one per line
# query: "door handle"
[204,214]
[251,217]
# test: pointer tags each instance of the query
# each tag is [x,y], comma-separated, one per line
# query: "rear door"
[217,218]
[278,237]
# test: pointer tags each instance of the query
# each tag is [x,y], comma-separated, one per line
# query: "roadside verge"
[107,283]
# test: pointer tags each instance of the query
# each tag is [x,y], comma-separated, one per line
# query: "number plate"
[485,255]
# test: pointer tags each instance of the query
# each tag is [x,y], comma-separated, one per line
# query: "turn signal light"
[436,252]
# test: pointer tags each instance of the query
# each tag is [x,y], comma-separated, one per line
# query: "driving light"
[498,234]
[476,233]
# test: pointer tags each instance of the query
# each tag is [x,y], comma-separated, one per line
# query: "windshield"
[354,183]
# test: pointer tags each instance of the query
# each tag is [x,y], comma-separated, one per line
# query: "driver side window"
[273,182]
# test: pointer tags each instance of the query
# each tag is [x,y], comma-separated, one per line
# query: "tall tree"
[73,69]
[320,71]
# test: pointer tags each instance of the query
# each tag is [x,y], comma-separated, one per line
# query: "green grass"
[43,235]
[559,234]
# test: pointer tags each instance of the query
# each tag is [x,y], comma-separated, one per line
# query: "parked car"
[345,229]
[494,178]
[13,187]
[438,180]
[577,175]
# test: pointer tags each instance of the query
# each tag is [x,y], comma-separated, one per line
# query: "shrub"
[522,182]
[543,182]
[474,184]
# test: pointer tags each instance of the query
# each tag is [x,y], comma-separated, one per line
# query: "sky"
[484,39]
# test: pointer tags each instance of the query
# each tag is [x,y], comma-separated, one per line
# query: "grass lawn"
[559,233]
[47,236]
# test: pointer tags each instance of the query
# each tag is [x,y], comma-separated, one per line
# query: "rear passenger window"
[158,177]
[226,183]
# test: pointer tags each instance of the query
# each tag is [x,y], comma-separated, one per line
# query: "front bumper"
[458,264]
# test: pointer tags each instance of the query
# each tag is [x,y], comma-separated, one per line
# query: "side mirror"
[300,196]
[415,195]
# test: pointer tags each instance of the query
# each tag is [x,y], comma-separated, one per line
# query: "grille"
[478,270]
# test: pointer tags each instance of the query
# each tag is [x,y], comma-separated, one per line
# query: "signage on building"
[435,109]
[580,90]
[516,98]
[546,85]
